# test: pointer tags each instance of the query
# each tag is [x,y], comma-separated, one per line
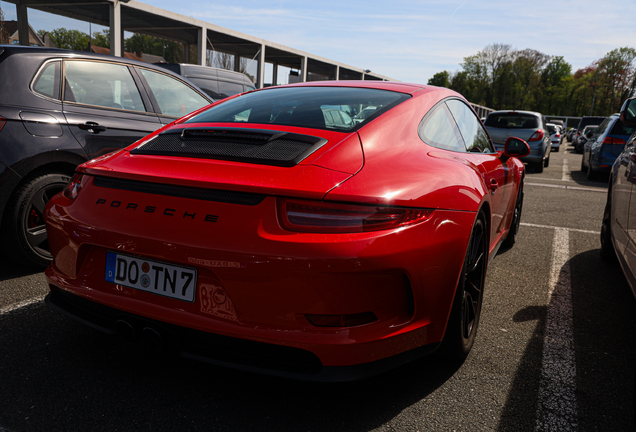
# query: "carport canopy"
[137,17]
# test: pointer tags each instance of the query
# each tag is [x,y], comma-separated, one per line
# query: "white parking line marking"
[556,227]
[566,171]
[557,407]
[21,304]
[567,187]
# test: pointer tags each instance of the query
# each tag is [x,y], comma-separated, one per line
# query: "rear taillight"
[323,217]
[3,121]
[72,190]
[610,140]
[537,136]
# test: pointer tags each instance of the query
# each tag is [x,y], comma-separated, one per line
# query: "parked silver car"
[526,125]
[555,135]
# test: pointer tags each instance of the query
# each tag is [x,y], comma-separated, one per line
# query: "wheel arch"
[25,171]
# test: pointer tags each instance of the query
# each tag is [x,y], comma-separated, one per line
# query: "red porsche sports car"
[322,231]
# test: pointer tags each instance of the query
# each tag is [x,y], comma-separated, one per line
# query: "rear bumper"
[258,282]
[252,356]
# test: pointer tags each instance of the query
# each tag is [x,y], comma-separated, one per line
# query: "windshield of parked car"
[512,120]
[336,108]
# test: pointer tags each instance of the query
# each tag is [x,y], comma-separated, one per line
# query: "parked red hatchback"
[279,231]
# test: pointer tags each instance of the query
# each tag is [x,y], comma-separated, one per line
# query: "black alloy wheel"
[23,231]
[516,219]
[464,319]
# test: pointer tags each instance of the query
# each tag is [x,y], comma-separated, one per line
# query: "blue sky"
[411,40]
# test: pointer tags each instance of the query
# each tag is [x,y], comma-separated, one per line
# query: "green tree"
[615,79]
[169,50]
[101,39]
[440,79]
[69,39]
[555,82]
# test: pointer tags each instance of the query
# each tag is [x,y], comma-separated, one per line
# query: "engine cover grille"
[252,146]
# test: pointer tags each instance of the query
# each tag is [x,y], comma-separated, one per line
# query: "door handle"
[92,127]
[493,185]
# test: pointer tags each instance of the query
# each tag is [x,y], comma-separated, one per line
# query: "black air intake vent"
[242,145]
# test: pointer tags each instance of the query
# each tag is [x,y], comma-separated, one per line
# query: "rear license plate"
[151,276]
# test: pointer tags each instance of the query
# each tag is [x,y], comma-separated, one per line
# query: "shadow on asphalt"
[59,375]
[604,315]
[9,270]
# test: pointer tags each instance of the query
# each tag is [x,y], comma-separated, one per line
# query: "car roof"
[515,112]
[394,86]
[19,49]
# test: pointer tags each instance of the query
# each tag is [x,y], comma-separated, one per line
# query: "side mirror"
[628,112]
[516,147]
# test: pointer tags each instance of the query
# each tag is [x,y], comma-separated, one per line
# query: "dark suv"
[61,108]
[217,83]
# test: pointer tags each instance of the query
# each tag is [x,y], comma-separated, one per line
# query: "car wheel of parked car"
[546,162]
[23,230]
[464,318]
[591,174]
[607,247]
[583,167]
[516,219]
[538,167]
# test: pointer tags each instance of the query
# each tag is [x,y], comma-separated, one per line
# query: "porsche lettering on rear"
[166,211]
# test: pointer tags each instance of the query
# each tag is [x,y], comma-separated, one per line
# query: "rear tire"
[591,174]
[538,167]
[466,311]
[546,162]
[608,254]
[23,233]
[516,220]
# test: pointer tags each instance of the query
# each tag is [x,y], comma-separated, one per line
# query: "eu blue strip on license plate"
[151,276]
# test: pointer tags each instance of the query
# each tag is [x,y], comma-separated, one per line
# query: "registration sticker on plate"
[152,276]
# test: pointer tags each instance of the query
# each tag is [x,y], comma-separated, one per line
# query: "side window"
[102,84]
[601,129]
[174,97]
[227,89]
[209,86]
[439,129]
[475,137]
[47,83]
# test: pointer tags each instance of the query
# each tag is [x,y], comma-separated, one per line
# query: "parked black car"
[60,108]
[585,121]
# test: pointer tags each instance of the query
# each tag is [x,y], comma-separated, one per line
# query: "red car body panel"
[269,278]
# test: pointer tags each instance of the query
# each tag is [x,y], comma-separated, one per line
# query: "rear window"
[512,121]
[336,108]
[590,121]
[552,129]
[621,129]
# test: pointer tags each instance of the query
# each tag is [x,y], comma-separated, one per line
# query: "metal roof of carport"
[135,16]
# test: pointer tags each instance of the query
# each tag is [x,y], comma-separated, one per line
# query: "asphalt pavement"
[553,352]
